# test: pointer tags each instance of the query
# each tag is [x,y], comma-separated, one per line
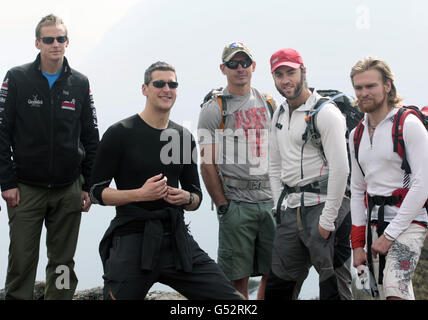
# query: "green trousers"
[60,210]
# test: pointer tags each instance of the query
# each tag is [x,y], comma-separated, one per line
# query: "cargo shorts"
[400,264]
[246,234]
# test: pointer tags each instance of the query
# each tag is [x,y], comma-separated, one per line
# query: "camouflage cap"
[231,49]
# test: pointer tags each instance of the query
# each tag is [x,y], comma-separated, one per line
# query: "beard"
[297,90]
[373,105]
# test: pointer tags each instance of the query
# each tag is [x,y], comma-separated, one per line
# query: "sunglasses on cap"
[233,64]
[50,40]
[160,84]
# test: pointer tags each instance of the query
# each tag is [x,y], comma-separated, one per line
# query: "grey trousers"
[124,279]
[298,245]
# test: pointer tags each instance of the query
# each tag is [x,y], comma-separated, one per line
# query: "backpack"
[397,133]
[222,102]
[352,115]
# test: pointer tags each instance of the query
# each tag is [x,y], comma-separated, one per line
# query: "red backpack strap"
[358,133]
[397,132]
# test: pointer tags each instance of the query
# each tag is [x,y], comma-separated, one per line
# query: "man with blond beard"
[395,228]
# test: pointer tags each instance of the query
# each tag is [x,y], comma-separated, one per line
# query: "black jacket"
[48,137]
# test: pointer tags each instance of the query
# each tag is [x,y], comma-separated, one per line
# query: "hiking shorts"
[246,234]
[400,263]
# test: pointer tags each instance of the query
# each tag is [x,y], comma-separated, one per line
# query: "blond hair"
[49,20]
[380,65]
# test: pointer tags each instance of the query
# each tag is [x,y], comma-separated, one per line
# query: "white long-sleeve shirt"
[285,155]
[383,173]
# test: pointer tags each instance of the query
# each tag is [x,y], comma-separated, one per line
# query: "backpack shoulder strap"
[269,102]
[310,116]
[358,133]
[397,132]
[223,108]
[221,100]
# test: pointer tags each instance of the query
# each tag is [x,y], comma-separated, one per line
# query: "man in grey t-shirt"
[233,134]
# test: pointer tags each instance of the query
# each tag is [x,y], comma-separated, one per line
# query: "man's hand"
[177,197]
[360,257]
[86,202]
[381,246]
[153,189]
[12,197]
[323,232]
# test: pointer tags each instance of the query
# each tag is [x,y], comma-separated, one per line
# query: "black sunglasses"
[233,64]
[160,84]
[50,40]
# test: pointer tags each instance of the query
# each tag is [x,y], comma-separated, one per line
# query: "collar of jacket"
[389,116]
[65,66]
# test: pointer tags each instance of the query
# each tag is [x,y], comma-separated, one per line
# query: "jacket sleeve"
[358,209]
[332,127]
[8,179]
[416,141]
[89,136]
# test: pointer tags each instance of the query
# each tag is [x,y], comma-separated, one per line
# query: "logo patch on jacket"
[69,105]
[4,85]
[4,88]
[35,101]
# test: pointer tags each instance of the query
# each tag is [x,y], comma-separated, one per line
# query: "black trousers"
[124,279]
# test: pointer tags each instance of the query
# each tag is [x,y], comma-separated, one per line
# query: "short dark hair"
[49,20]
[157,66]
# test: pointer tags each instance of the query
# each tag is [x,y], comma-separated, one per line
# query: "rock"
[164,295]
[89,294]
[39,291]
[97,294]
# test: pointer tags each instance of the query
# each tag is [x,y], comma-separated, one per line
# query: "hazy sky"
[113,42]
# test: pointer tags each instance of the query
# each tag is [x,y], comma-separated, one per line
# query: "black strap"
[381,226]
[224,98]
[358,134]
[281,111]
[312,187]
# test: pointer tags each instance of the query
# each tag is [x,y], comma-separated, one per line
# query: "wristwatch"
[222,209]
[192,198]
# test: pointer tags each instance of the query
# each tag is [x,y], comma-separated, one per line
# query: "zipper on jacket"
[51,151]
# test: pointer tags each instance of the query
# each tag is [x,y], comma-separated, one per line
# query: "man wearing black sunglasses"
[237,180]
[147,241]
[48,140]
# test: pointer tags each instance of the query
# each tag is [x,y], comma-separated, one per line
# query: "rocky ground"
[97,294]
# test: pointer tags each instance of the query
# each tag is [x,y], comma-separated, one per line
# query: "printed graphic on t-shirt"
[252,121]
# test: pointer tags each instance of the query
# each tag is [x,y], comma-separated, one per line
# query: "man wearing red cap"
[313,179]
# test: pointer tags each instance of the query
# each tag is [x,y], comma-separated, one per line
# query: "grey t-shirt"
[243,144]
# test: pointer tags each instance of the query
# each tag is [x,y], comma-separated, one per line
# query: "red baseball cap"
[286,57]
